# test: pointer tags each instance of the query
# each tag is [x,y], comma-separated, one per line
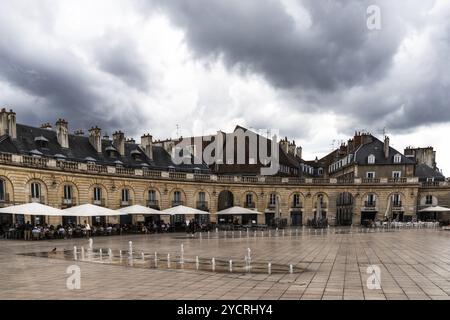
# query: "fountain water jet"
[213,264]
[168,260]
[82,253]
[231,265]
[75,253]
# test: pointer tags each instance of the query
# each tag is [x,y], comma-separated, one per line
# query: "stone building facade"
[62,170]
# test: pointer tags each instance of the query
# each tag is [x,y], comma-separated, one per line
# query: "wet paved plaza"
[414,264]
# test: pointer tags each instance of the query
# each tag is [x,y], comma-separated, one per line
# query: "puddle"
[173,263]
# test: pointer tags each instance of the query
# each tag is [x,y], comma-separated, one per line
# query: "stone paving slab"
[414,264]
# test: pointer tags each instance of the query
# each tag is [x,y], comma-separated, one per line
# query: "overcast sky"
[311,69]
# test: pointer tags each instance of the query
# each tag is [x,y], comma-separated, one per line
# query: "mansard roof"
[376,148]
[80,149]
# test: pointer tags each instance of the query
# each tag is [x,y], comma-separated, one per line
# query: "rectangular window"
[67,192]
[97,194]
[296,200]
[396,174]
[248,198]
[370,175]
[429,200]
[35,190]
[151,195]
[201,197]
[125,195]
[272,199]
[396,199]
[177,196]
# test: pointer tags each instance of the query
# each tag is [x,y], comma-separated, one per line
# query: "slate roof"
[80,149]
[423,171]
[376,148]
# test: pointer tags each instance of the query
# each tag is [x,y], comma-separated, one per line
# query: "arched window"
[296,201]
[371,159]
[35,192]
[397,158]
[249,201]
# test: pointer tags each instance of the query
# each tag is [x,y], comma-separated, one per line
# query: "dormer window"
[90,160]
[36,153]
[136,155]
[41,142]
[371,159]
[111,152]
[397,158]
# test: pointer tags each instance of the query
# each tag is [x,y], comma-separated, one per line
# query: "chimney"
[95,138]
[291,148]
[285,145]
[62,133]
[12,129]
[79,132]
[130,140]
[46,126]
[298,152]
[8,123]
[146,145]
[119,142]
[386,147]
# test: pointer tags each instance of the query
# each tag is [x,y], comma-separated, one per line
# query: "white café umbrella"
[138,209]
[33,209]
[435,209]
[238,210]
[182,210]
[90,210]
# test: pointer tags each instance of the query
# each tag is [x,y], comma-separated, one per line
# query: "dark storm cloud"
[318,64]
[51,82]
[260,36]
[117,55]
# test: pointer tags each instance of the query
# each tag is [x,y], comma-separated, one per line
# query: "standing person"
[87,227]
[28,228]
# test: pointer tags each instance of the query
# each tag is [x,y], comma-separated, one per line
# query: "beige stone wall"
[18,181]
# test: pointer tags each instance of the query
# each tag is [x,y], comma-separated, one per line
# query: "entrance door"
[249,219]
[270,218]
[296,218]
[367,218]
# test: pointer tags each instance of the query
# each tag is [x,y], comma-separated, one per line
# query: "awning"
[90,210]
[236,210]
[138,209]
[435,209]
[33,209]
[183,210]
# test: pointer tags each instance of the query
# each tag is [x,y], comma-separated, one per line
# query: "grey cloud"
[117,55]
[318,65]
[61,83]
